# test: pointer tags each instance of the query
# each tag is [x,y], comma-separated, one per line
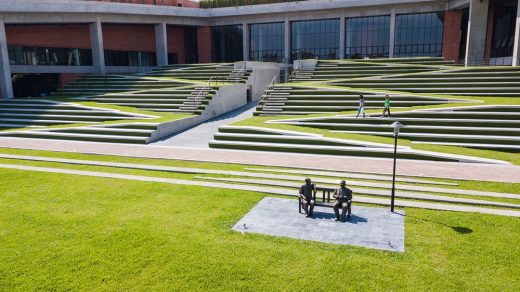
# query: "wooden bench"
[326,195]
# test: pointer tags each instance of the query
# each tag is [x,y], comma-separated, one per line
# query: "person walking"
[361,108]
[387,107]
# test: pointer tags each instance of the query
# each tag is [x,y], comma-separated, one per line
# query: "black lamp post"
[396,126]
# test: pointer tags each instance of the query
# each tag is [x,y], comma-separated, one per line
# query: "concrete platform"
[368,227]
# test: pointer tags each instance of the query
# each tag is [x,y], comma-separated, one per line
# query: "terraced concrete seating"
[185,99]
[493,127]
[367,190]
[341,69]
[133,133]
[250,138]
[100,84]
[491,81]
[297,100]
[19,113]
[216,72]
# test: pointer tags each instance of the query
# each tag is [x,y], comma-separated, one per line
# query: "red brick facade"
[489,32]
[66,78]
[49,35]
[127,37]
[452,35]
[204,44]
[175,37]
[183,3]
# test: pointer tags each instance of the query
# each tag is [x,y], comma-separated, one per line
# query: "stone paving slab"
[369,227]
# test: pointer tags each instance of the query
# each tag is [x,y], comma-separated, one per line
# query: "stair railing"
[202,91]
[270,87]
[238,74]
[295,69]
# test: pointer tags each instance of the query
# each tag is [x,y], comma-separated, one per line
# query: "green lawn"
[65,232]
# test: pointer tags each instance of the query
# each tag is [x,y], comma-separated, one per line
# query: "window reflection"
[129,58]
[226,43]
[315,39]
[19,55]
[504,22]
[367,37]
[419,34]
[267,42]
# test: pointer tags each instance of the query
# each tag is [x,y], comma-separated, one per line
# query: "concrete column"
[517,37]
[287,41]
[245,41]
[477,29]
[342,37]
[6,86]
[96,42]
[391,43]
[161,44]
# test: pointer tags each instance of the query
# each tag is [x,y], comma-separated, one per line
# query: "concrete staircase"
[299,100]
[327,70]
[479,81]
[21,113]
[483,127]
[224,72]
[186,99]
[130,133]
[101,84]
[267,139]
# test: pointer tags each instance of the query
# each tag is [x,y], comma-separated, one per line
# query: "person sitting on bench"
[343,196]
[307,196]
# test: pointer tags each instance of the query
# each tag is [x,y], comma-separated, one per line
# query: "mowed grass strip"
[67,232]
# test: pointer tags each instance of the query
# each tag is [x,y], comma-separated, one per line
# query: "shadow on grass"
[458,229]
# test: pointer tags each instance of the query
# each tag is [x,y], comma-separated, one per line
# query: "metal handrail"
[271,85]
[298,65]
[202,90]
[238,74]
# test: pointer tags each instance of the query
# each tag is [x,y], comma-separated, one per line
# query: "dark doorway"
[34,85]
[249,94]
[190,45]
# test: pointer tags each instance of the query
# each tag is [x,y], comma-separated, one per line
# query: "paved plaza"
[368,227]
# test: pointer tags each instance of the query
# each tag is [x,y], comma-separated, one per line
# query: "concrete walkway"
[262,189]
[448,170]
[200,135]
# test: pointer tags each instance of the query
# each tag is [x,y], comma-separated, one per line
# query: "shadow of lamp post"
[396,126]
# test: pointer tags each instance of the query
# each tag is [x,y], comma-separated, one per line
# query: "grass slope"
[64,232]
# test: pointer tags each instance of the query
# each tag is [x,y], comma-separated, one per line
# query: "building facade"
[55,41]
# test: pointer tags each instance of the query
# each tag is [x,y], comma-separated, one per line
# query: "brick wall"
[127,37]
[452,34]
[204,44]
[184,3]
[66,78]
[176,42]
[489,32]
[49,35]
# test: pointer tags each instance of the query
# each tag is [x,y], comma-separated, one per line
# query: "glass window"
[367,36]
[419,34]
[266,42]
[227,43]
[130,58]
[504,22]
[315,39]
[19,55]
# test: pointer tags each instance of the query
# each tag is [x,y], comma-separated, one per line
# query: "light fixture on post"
[397,126]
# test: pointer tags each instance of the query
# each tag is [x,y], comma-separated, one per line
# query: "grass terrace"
[78,232]
[469,111]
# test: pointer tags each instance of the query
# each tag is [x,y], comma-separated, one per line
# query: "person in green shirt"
[387,107]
